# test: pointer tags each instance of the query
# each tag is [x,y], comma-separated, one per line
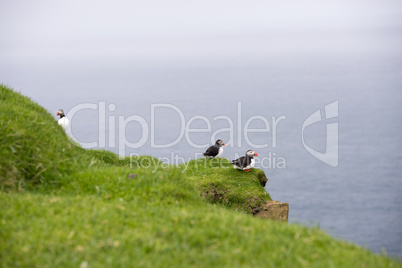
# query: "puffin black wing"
[244,162]
[212,151]
[239,162]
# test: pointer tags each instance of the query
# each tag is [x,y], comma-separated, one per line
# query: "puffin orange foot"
[247,170]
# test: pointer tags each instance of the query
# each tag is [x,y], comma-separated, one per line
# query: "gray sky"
[83,27]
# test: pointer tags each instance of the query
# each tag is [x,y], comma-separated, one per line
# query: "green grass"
[63,206]
[218,182]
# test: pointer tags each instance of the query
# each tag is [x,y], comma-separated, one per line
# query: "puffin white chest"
[249,166]
[63,122]
[220,152]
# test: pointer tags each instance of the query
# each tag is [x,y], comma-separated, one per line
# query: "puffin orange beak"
[223,143]
[255,154]
[57,113]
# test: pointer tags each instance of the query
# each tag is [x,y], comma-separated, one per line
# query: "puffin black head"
[251,153]
[219,143]
[60,112]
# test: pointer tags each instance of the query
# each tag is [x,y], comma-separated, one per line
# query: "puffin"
[63,121]
[245,163]
[215,150]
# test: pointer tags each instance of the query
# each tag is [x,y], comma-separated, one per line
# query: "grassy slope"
[62,206]
[218,182]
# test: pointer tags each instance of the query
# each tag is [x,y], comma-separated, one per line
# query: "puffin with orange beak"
[63,121]
[245,163]
[215,150]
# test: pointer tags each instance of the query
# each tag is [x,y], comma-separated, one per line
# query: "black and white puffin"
[63,121]
[215,150]
[245,163]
